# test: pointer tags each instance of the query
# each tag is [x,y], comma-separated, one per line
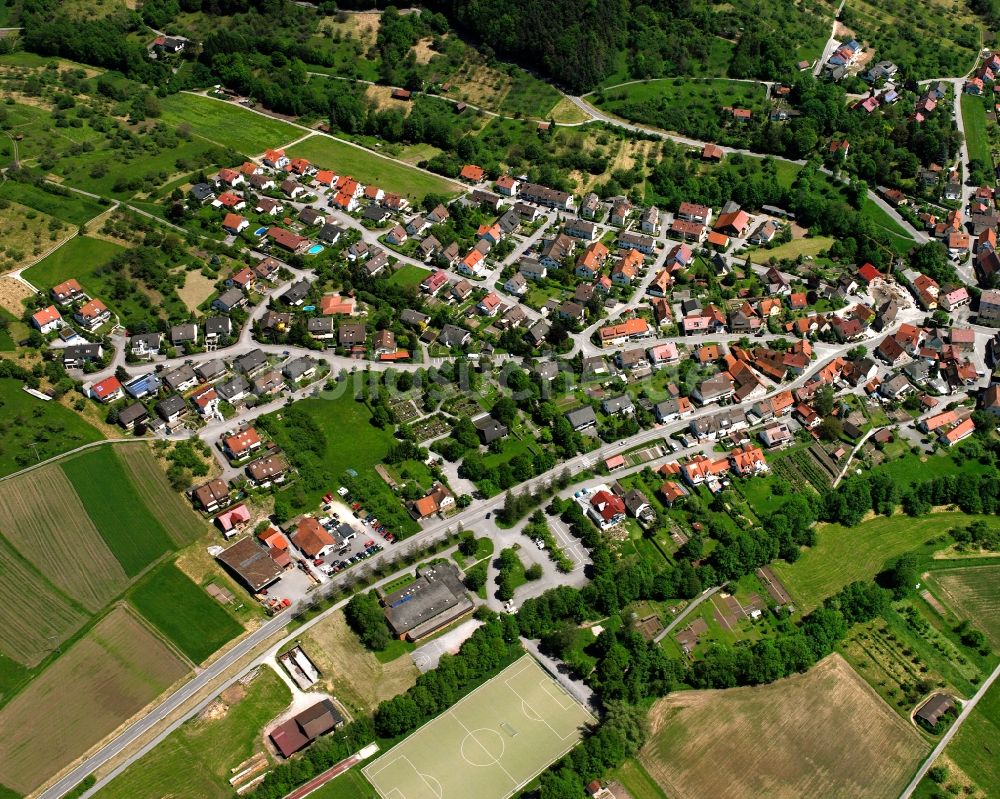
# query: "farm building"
[931,711]
[301,730]
[250,564]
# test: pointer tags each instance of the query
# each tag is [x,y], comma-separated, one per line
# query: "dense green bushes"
[488,650]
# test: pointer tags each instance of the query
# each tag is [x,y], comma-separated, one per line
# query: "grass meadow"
[72,208]
[79,257]
[974,747]
[845,554]
[183,612]
[130,529]
[369,167]
[227,125]
[31,427]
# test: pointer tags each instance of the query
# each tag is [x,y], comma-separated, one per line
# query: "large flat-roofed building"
[435,599]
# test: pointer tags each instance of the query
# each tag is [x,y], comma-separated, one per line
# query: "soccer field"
[490,744]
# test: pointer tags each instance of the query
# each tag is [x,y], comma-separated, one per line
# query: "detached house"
[241,444]
[650,221]
[145,345]
[106,391]
[92,314]
[606,509]
[67,293]
[47,320]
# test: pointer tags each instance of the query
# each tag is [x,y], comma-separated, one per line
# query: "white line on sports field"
[486,751]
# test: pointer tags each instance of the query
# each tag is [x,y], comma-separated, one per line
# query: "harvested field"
[820,734]
[45,521]
[13,293]
[350,672]
[29,632]
[181,523]
[381,98]
[196,289]
[973,593]
[105,678]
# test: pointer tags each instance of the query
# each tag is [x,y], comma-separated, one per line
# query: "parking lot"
[360,538]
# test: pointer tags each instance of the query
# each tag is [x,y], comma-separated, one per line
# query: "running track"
[322,779]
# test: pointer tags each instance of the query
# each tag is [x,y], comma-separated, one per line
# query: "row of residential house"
[69,298]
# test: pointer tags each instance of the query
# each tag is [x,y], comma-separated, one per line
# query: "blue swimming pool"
[260,231]
[316,249]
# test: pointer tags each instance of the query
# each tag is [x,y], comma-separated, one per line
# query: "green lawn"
[845,554]
[786,173]
[28,423]
[910,468]
[806,247]
[408,275]
[195,760]
[130,530]
[369,167]
[7,343]
[349,785]
[226,124]
[760,495]
[396,649]
[974,118]
[342,416]
[901,241]
[79,257]
[183,612]
[75,208]
[637,781]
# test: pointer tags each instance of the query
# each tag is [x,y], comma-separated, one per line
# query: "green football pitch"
[490,744]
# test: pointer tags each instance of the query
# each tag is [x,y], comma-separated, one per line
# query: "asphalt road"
[472,517]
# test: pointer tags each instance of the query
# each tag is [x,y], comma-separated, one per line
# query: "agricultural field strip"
[699,742]
[45,520]
[150,481]
[34,617]
[110,674]
[109,496]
